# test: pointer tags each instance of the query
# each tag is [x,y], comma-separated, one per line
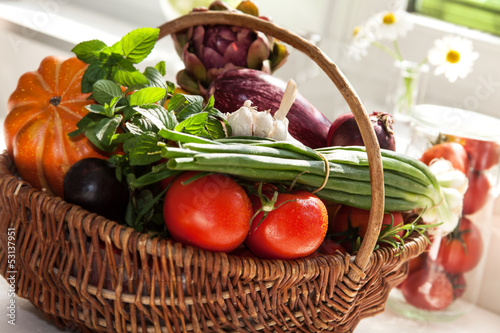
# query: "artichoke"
[210,50]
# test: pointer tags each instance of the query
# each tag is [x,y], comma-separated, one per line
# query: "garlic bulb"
[247,121]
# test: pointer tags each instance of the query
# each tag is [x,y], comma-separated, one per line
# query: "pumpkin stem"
[55,100]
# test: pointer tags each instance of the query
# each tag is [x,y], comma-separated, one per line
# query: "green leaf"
[144,124]
[128,112]
[194,124]
[106,128]
[170,87]
[96,108]
[88,51]
[185,106]
[148,95]
[214,129]
[155,78]
[134,129]
[159,116]
[137,44]
[130,78]
[142,211]
[89,121]
[105,91]
[160,67]
[143,149]
[210,104]
[94,72]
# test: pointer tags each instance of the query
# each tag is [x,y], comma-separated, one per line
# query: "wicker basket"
[86,272]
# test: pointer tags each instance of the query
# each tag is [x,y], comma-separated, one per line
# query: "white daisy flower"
[361,40]
[453,56]
[390,25]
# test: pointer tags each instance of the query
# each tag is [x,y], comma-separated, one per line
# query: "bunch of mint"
[130,119]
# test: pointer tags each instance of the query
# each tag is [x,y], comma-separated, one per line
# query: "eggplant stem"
[287,100]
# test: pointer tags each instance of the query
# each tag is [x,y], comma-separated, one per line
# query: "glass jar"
[408,87]
[444,282]
[404,94]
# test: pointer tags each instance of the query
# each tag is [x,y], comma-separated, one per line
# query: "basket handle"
[337,77]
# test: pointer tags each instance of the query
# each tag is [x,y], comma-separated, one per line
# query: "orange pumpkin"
[43,109]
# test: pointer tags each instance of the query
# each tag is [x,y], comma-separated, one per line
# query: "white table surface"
[30,320]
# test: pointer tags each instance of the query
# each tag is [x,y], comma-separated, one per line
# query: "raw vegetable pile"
[168,164]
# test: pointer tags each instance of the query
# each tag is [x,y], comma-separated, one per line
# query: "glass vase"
[445,281]
[408,88]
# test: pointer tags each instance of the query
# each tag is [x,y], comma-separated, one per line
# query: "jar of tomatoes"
[444,282]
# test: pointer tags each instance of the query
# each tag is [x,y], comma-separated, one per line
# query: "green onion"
[408,183]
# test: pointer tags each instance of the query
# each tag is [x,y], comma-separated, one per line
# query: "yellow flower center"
[452,56]
[389,18]
[355,31]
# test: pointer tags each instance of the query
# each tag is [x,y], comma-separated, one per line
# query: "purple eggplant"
[233,88]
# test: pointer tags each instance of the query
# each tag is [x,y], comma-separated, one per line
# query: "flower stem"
[387,50]
[397,50]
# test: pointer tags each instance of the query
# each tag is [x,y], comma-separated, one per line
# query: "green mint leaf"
[156,79]
[130,78]
[144,124]
[137,44]
[159,116]
[161,68]
[94,72]
[212,110]
[210,104]
[105,91]
[88,121]
[128,112]
[105,130]
[204,125]
[193,125]
[170,88]
[96,108]
[134,129]
[88,51]
[143,149]
[148,95]
[214,129]
[144,209]
[185,106]
[114,50]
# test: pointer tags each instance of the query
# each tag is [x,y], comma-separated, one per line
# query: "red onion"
[344,131]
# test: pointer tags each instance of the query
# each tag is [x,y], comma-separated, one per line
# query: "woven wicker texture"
[86,272]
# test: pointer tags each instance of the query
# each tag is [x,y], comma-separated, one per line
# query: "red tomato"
[428,289]
[482,154]
[418,263]
[212,212]
[295,228]
[461,251]
[330,247]
[450,151]
[477,192]
[327,247]
[459,285]
[350,223]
